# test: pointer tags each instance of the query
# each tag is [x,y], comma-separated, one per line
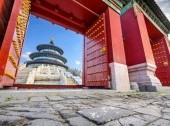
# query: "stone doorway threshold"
[31,86]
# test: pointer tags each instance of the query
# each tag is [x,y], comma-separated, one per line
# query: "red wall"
[136,40]
[7,48]
[5,10]
[114,37]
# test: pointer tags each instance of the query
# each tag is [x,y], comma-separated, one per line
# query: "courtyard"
[84,108]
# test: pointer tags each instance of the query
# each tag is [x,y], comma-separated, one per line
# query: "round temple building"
[47,54]
[47,67]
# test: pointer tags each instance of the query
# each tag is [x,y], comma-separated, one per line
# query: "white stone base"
[144,74]
[119,77]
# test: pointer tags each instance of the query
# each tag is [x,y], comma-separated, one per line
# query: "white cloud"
[77,62]
[25,56]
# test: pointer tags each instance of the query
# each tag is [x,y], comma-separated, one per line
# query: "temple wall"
[139,54]
[132,39]
[116,52]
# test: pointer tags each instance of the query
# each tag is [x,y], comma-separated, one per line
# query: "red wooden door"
[160,52]
[96,66]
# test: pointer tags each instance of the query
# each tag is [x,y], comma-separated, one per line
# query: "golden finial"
[52,41]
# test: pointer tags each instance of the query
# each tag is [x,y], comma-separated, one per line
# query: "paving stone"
[42,116]
[105,114]
[55,98]
[37,99]
[16,101]
[83,96]
[166,116]
[25,109]
[80,121]
[147,118]
[43,105]
[12,113]
[155,107]
[166,110]
[160,122]
[58,107]
[69,97]
[129,106]
[36,115]
[80,107]
[132,121]
[44,122]
[168,105]
[111,103]
[121,104]
[68,114]
[159,103]
[113,123]
[3,112]
[95,97]
[148,111]
[10,120]
[77,101]
[167,97]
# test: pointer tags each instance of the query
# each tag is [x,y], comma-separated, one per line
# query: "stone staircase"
[70,81]
[73,80]
[23,75]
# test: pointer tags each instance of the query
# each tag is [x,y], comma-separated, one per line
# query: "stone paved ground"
[83,108]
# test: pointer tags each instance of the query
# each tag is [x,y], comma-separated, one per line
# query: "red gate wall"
[162,59]
[96,65]
[13,42]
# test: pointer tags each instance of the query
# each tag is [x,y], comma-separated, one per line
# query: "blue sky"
[41,31]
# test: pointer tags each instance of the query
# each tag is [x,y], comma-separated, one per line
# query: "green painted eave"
[113,6]
[127,7]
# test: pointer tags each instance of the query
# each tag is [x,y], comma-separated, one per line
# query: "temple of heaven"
[47,54]
[47,67]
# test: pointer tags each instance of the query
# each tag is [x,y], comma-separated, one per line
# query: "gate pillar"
[117,60]
[13,42]
[139,55]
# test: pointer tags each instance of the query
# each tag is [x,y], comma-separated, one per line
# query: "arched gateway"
[125,41]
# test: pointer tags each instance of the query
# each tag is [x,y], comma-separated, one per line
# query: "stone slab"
[166,110]
[16,101]
[26,109]
[80,121]
[160,122]
[58,107]
[146,118]
[10,120]
[113,123]
[68,114]
[38,99]
[55,98]
[104,114]
[35,115]
[148,111]
[132,121]
[44,122]
[166,116]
